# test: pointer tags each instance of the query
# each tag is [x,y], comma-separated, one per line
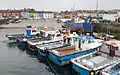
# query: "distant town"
[112,15]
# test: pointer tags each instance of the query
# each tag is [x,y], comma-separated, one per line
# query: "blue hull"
[81,71]
[12,38]
[115,72]
[63,60]
[41,53]
[21,44]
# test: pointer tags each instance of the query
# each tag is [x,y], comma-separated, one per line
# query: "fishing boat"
[43,48]
[105,61]
[30,32]
[47,37]
[79,45]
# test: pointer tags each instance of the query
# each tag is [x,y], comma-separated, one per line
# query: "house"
[10,13]
[44,14]
[24,15]
[31,15]
[86,13]
[48,14]
[67,14]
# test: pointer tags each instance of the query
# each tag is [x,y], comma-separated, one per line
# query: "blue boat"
[43,48]
[30,33]
[105,61]
[80,45]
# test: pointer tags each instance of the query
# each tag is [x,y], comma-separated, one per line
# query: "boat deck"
[71,50]
[64,51]
[94,61]
[50,46]
[34,40]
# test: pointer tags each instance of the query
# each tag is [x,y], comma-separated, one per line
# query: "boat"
[105,61]
[13,37]
[98,36]
[103,36]
[30,33]
[79,45]
[42,49]
[47,37]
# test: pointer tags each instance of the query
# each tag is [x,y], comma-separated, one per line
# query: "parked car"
[15,21]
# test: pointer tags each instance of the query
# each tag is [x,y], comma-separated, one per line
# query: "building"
[10,13]
[87,13]
[44,14]
[48,14]
[24,15]
[67,14]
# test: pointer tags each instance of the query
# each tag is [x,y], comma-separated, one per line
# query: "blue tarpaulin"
[84,26]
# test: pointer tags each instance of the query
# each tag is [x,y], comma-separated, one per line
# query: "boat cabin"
[31,31]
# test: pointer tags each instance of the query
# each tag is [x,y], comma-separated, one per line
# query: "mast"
[97,7]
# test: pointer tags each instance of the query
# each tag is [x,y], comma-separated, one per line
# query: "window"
[34,31]
[29,26]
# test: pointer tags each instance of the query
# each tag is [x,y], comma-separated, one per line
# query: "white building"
[45,14]
[25,15]
[111,17]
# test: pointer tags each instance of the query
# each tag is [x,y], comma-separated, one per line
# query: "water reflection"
[12,44]
[50,66]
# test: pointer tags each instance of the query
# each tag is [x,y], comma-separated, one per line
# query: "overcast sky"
[58,5]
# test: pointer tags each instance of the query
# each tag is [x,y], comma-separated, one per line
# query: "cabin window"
[117,48]
[34,31]
[29,26]
[58,35]
[68,40]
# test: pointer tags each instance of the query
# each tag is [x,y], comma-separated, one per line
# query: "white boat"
[47,37]
[105,61]
[77,46]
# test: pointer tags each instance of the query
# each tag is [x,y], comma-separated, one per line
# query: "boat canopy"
[84,38]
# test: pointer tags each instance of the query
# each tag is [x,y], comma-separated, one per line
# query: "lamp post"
[97,7]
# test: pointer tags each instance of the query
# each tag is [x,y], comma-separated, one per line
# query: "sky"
[59,5]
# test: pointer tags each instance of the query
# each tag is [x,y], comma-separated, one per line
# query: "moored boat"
[30,33]
[80,45]
[47,37]
[43,48]
[105,61]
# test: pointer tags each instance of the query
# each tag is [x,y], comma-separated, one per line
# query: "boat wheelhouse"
[80,45]
[105,61]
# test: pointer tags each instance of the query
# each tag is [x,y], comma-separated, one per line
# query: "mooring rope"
[51,66]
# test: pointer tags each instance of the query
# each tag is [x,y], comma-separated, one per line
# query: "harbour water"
[14,61]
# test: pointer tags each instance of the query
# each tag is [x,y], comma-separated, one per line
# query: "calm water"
[14,61]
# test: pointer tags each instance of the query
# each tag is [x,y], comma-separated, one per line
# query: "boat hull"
[14,37]
[42,53]
[64,60]
[79,70]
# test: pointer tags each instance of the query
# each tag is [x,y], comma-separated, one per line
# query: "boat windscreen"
[34,31]
[29,26]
